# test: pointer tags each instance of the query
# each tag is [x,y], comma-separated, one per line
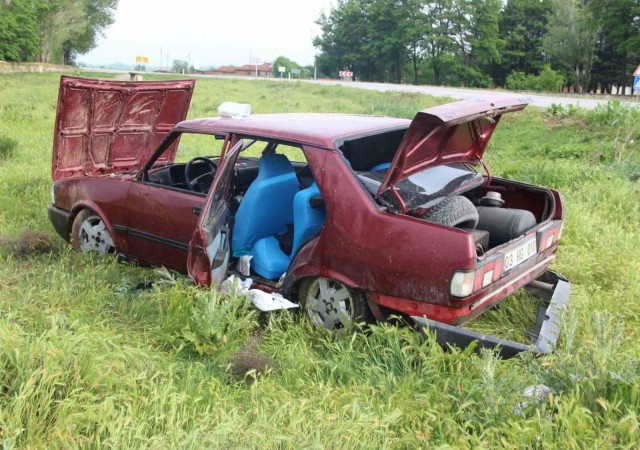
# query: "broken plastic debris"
[269,302]
[234,110]
[539,393]
[244,265]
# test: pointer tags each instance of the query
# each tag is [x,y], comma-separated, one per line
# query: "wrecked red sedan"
[353,217]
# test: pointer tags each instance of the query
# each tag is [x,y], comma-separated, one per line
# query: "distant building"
[248,70]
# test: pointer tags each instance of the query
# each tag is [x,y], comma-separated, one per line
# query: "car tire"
[332,305]
[90,234]
[454,211]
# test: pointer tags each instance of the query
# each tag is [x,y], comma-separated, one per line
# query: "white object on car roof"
[234,110]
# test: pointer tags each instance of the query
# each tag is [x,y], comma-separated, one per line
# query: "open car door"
[108,126]
[210,246]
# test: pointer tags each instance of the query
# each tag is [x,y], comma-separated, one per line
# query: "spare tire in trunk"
[454,211]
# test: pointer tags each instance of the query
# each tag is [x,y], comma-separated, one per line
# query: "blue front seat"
[266,208]
[269,261]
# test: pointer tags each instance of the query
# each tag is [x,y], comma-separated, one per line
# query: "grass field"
[86,360]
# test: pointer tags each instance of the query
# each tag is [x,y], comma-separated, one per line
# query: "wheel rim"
[94,236]
[329,304]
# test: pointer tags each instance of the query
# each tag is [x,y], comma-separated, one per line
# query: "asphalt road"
[543,101]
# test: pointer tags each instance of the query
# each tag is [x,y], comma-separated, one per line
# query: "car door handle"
[196,211]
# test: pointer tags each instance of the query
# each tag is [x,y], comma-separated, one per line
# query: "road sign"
[637,72]
[142,59]
[636,82]
[282,69]
[296,71]
[345,73]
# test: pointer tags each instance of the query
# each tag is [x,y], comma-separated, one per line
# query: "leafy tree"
[523,26]
[57,21]
[19,36]
[618,40]
[570,40]
[282,61]
[438,35]
[180,66]
[98,16]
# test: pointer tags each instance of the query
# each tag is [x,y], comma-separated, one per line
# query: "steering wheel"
[194,184]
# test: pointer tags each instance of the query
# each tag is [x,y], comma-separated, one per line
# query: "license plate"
[519,254]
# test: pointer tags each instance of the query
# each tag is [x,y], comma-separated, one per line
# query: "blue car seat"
[380,167]
[266,208]
[269,261]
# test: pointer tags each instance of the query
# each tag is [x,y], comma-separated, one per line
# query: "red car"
[354,217]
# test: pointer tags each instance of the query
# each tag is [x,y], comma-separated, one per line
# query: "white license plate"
[519,254]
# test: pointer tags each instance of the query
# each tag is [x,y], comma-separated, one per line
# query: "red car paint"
[401,262]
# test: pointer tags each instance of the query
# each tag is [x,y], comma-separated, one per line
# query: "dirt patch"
[560,121]
[249,362]
[28,243]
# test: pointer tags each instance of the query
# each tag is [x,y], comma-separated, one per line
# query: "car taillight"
[198,261]
[549,235]
[466,282]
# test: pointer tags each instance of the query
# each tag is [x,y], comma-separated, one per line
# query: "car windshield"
[423,189]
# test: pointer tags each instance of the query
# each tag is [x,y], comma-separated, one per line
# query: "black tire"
[455,211]
[354,309]
[97,239]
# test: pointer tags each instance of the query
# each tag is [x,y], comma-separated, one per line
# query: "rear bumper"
[553,288]
[61,221]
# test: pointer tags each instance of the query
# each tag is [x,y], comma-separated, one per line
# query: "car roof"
[317,129]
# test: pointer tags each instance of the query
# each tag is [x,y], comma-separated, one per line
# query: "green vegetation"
[482,42]
[51,31]
[88,360]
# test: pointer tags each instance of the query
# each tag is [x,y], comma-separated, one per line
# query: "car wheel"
[89,234]
[332,305]
[454,211]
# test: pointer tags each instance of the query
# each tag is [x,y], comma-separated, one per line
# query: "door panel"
[213,226]
[160,224]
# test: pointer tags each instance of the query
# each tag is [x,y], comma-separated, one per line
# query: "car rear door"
[109,126]
[209,249]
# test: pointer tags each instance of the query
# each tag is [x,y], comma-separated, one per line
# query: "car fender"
[305,264]
[77,207]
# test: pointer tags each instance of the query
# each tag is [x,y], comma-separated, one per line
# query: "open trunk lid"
[105,126]
[453,133]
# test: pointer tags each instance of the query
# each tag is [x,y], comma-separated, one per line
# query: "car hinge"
[486,169]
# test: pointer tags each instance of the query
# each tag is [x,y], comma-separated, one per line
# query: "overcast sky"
[213,32]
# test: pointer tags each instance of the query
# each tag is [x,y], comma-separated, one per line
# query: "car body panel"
[318,130]
[105,127]
[453,133]
[349,251]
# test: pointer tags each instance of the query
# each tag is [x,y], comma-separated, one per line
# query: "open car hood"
[452,133]
[105,126]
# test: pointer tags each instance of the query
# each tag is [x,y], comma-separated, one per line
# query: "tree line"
[51,31]
[520,44]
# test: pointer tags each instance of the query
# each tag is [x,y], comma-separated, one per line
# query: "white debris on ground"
[262,300]
[538,393]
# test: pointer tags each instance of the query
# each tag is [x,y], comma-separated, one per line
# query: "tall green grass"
[87,359]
